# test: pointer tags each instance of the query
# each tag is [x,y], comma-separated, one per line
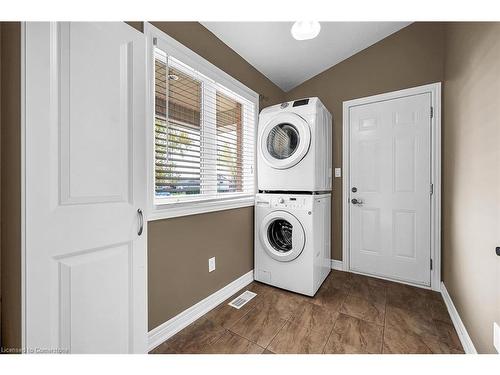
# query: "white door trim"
[23,186]
[435,90]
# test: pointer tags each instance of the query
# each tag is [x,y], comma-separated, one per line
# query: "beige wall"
[179,248]
[410,57]
[11,184]
[471,176]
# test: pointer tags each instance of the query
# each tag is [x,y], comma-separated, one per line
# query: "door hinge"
[431,190]
[432,112]
[431,264]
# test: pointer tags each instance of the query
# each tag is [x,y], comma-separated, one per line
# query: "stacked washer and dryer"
[292,208]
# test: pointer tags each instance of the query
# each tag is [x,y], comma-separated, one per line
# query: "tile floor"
[349,314]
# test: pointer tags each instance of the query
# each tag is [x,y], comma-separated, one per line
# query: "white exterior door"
[85,181]
[389,188]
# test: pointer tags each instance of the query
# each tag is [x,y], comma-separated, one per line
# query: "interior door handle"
[141,221]
[356,201]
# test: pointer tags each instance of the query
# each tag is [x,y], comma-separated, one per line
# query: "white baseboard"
[337,265]
[457,322]
[166,330]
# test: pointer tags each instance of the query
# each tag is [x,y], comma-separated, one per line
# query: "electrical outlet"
[496,336]
[211,264]
[338,172]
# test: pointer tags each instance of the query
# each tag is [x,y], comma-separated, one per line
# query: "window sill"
[171,210]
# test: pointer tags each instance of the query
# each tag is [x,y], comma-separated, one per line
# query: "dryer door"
[282,236]
[285,140]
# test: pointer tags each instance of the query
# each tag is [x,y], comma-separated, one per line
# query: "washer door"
[282,236]
[285,140]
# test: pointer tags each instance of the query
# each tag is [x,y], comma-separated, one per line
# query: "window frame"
[192,205]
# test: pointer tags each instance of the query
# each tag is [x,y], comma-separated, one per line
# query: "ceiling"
[287,62]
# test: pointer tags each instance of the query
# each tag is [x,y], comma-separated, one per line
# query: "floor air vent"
[242,299]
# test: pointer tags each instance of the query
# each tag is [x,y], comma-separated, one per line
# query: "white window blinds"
[204,136]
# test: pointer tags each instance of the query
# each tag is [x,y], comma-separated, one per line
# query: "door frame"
[435,90]
[23,187]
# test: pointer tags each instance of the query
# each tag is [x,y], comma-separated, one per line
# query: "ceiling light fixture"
[305,30]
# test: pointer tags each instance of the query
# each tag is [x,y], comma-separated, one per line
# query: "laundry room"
[219,185]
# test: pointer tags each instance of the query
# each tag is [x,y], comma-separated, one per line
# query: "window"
[204,142]
[177,131]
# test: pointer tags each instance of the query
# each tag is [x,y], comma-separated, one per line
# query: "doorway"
[391,187]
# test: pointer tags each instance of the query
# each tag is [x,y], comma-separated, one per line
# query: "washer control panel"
[288,202]
[285,201]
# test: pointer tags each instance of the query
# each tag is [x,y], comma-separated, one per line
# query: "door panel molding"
[434,90]
[66,50]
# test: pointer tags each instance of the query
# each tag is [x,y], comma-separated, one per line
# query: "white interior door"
[85,181]
[390,173]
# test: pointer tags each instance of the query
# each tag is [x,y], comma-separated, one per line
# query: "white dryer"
[292,241]
[294,149]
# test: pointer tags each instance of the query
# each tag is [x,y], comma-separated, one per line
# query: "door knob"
[356,201]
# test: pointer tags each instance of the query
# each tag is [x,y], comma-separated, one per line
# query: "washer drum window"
[282,236]
[279,234]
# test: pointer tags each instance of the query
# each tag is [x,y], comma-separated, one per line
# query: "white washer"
[292,241]
[294,147]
